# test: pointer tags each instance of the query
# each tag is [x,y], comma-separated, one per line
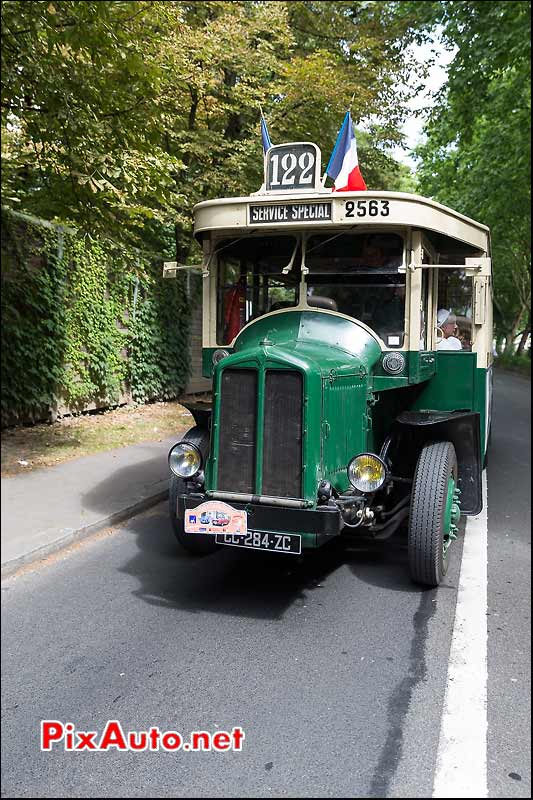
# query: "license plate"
[263,540]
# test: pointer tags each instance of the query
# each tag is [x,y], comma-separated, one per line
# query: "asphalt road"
[335,668]
[509,582]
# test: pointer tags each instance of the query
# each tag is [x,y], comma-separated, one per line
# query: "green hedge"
[85,323]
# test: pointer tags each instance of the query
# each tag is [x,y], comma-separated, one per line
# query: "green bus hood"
[314,340]
[336,357]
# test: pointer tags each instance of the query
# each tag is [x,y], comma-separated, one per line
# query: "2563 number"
[367,208]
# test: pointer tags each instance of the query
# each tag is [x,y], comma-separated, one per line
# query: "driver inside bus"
[375,254]
[371,256]
[447,323]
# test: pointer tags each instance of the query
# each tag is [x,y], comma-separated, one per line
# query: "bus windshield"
[362,275]
[251,280]
[359,275]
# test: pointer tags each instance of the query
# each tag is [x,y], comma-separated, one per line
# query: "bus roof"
[325,209]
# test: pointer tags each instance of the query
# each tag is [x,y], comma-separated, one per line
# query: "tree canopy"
[476,157]
[119,116]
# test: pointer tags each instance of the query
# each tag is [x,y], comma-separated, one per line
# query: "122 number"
[306,162]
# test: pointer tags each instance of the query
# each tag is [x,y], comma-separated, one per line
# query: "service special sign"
[289,212]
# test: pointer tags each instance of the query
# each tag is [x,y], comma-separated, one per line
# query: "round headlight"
[185,460]
[367,472]
[218,355]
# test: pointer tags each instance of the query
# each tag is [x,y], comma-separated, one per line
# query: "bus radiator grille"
[238,425]
[282,442]
[282,433]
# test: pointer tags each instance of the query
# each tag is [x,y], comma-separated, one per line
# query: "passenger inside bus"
[454,318]
[447,328]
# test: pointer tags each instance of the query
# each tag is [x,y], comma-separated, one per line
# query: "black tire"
[197,544]
[436,464]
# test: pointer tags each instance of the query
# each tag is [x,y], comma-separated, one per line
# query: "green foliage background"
[120,115]
[117,116]
[477,152]
[85,321]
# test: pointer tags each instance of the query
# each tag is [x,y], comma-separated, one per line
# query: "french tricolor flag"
[343,165]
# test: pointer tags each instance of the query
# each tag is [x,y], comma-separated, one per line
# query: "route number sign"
[292,167]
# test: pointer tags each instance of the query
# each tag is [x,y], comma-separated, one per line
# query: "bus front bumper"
[315,526]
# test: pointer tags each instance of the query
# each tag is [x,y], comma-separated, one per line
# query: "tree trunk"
[234,123]
[508,350]
[182,243]
[511,336]
[522,344]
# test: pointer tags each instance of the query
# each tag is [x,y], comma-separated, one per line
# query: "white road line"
[462,755]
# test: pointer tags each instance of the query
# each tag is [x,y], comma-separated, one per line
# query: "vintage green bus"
[349,340]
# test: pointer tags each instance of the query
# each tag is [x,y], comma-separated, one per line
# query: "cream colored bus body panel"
[413,292]
[231,214]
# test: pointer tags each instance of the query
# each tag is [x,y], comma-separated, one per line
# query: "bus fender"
[414,429]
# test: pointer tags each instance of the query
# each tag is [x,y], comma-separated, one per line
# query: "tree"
[119,116]
[79,83]
[476,156]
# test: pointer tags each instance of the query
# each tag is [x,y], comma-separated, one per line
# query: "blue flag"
[265,135]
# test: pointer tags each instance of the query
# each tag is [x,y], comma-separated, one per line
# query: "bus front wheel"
[434,513]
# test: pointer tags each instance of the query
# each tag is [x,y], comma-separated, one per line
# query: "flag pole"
[262,120]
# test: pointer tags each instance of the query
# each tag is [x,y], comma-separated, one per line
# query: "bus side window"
[454,310]
[231,315]
[234,309]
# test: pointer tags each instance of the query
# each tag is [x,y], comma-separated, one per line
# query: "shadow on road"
[230,581]
[126,485]
[255,585]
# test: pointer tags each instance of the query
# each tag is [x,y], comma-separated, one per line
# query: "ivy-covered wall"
[86,323]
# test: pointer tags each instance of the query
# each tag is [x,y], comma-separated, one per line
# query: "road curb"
[77,535]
